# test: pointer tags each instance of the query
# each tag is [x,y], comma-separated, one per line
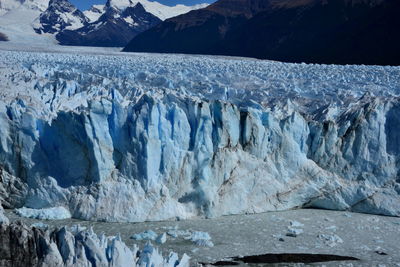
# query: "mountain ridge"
[41,21]
[113,28]
[312,31]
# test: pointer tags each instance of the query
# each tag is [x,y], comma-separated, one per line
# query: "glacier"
[31,246]
[145,137]
[3,218]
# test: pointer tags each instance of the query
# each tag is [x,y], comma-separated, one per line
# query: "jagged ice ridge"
[30,246]
[155,137]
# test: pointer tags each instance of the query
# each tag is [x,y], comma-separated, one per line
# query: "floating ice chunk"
[56,213]
[146,235]
[296,224]
[332,227]
[161,239]
[294,232]
[198,235]
[202,239]
[40,225]
[279,237]
[330,240]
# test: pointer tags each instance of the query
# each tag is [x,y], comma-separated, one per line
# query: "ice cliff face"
[134,138]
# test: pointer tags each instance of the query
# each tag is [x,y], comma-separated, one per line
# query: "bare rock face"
[312,31]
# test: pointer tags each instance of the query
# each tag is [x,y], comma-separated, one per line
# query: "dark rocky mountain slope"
[313,31]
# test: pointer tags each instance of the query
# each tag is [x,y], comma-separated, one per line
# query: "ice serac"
[3,218]
[154,138]
[30,246]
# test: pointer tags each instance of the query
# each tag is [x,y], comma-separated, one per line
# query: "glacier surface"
[144,137]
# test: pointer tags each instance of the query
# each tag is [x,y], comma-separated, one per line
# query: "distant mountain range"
[313,31]
[113,28]
[59,21]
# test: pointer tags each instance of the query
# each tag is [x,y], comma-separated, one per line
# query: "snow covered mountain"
[114,27]
[94,12]
[61,15]
[157,137]
[40,21]
[161,11]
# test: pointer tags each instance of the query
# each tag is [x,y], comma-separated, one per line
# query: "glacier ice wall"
[157,137]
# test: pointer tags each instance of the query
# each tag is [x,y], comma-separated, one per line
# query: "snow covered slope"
[18,22]
[7,5]
[60,15]
[159,10]
[153,137]
[94,12]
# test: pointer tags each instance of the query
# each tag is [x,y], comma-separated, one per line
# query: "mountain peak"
[60,15]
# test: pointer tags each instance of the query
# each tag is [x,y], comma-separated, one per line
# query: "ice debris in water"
[146,235]
[161,239]
[56,213]
[294,232]
[296,224]
[202,239]
[330,240]
[294,229]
